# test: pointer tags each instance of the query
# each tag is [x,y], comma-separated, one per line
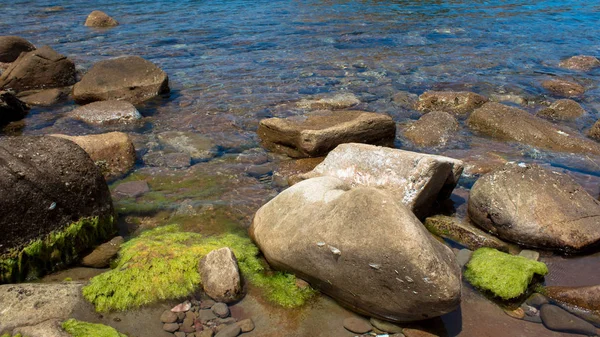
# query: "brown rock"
[43,68]
[44,97]
[580,62]
[335,102]
[132,189]
[170,327]
[101,256]
[246,325]
[433,128]
[221,276]
[129,78]
[112,152]
[288,170]
[229,331]
[405,100]
[106,112]
[583,297]
[456,102]
[417,333]
[168,317]
[172,159]
[594,131]
[563,109]
[563,88]
[12,46]
[518,313]
[11,108]
[100,19]
[513,124]
[319,132]
[357,325]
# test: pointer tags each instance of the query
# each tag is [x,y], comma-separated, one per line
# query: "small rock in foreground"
[557,319]
[221,278]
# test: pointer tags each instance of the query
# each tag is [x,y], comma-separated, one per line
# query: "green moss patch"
[55,250]
[504,275]
[9,335]
[162,263]
[77,328]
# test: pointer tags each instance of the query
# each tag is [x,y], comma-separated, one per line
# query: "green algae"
[56,249]
[504,275]
[162,263]
[77,328]
[9,335]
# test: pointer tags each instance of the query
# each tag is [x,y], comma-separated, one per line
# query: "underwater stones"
[563,109]
[463,233]
[557,319]
[172,159]
[503,275]
[132,189]
[357,325]
[417,179]
[335,102]
[11,108]
[43,68]
[529,205]
[512,124]
[594,131]
[112,152]
[246,325]
[405,100]
[100,19]
[343,240]
[580,62]
[55,199]
[458,103]
[106,112]
[432,129]
[564,88]
[12,46]
[199,147]
[129,78]
[221,276]
[287,171]
[317,133]
[100,257]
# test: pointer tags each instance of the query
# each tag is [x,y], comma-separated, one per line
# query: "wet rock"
[207,304]
[459,103]
[319,132]
[45,97]
[512,124]
[11,108]
[172,160]
[170,327]
[112,152]
[530,254]
[221,309]
[537,300]
[286,174]
[594,131]
[517,313]
[510,98]
[357,325]
[563,110]
[205,333]
[106,112]
[246,325]
[206,315]
[463,257]
[580,62]
[557,319]
[463,233]
[43,68]
[100,19]
[385,326]
[12,46]
[325,216]
[197,146]
[168,317]
[335,102]
[417,179]
[132,189]
[535,207]
[583,297]
[49,184]
[405,100]
[232,330]
[563,88]
[417,333]
[101,256]
[432,129]
[221,277]
[129,78]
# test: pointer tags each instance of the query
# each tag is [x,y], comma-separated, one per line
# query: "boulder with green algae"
[504,275]
[162,263]
[77,328]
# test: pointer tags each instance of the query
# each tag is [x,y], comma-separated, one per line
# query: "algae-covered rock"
[84,329]
[504,275]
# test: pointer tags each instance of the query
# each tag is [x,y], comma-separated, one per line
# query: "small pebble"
[180,334]
[229,331]
[228,320]
[206,315]
[220,309]
[207,304]
[530,254]
[246,325]
[182,307]
[517,313]
[180,316]
[171,327]
[357,325]
[168,317]
[385,326]
[205,333]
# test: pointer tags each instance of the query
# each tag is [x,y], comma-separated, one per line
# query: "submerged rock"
[594,131]
[563,88]
[100,19]
[11,108]
[459,103]
[432,129]
[512,124]
[12,46]
[106,112]
[535,207]
[288,172]
[405,100]
[343,240]
[335,102]
[319,132]
[43,68]
[557,319]
[580,62]
[197,146]
[357,325]
[221,277]
[129,78]
[417,179]
[45,97]
[583,297]
[563,109]
[101,256]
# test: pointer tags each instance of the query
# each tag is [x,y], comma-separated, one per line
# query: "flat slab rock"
[417,179]
[317,133]
[106,112]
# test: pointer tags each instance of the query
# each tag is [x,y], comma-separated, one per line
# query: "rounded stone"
[12,46]
[357,325]
[246,325]
[168,317]
[100,19]
[385,326]
[171,327]
[220,309]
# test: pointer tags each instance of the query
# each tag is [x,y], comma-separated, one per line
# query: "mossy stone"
[504,275]
[77,328]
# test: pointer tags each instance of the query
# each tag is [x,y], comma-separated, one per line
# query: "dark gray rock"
[220,309]
[557,319]
[11,108]
[537,300]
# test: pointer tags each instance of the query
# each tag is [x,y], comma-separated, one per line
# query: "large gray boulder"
[456,102]
[319,132]
[531,206]
[43,68]
[416,179]
[12,46]
[360,246]
[512,124]
[129,78]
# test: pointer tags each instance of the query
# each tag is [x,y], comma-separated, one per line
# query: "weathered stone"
[221,309]
[563,109]
[463,233]
[583,297]
[49,328]
[385,326]
[535,207]
[288,171]
[417,179]
[197,146]
[205,333]
[456,102]
[106,112]
[100,19]
[180,334]
[207,304]
[206,315]
[229,331]
[168,317]
[557,319]
[221,276]
[132,188]
[405,100]
[517,313]
[172,160]
[357,325]
[594,131]
[580,62]
[537,300]
[112,152]
[129,78]
[170,327]
[43,68]
[246,325]
[44,97]
[311,229]
[335,102]
[319,132]
[463,257]
[408,332]
[12,46]
[432,129]
[563,88]
[512,124]
[510,98]
[11,108]
[101,256]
